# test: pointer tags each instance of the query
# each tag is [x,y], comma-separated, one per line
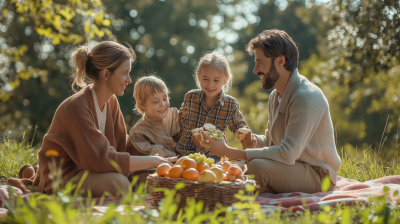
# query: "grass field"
[59,208]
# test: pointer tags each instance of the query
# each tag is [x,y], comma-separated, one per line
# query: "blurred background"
[349,48]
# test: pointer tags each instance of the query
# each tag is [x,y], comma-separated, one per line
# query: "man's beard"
[271,78]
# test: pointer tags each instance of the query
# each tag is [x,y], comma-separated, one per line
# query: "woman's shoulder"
[76,102]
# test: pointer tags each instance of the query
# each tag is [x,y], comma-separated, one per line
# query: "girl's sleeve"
[144,146]
[236,121]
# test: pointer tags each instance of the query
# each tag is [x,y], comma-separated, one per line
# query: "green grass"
[59,208]
[13,155]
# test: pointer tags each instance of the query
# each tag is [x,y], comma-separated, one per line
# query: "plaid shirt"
[194,114]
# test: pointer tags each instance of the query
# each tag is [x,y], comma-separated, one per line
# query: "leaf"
[116,166]
[385,189]
[326,183]
[106,22]
[179,186]
[56,41]
[250,188]
[5,11]
[345,216]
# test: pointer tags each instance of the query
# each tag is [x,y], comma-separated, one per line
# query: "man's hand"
[254,139]
[217,148]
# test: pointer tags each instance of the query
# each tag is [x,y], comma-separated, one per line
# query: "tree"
[53,23]
[169,37]
[358,68]
[36,37]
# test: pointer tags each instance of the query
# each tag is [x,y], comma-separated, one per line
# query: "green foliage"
[61,208]
[169,37]
[54,23]
[14,154]
[357,68]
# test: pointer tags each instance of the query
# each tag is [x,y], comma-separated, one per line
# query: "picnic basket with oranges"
[204,180]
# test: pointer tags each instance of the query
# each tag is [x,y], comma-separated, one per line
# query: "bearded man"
[298,149]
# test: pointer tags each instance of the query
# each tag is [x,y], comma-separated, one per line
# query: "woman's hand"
[145,162]
[217,148]
[157,160]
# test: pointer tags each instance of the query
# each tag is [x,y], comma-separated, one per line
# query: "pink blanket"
[347,191]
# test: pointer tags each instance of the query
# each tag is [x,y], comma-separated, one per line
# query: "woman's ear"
[105,74]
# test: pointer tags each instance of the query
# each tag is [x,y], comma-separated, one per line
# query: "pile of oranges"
[188,169]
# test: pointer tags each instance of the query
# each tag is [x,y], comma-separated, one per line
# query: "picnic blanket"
[347,191]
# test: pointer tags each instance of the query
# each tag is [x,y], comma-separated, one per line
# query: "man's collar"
[221,97]
[293,80]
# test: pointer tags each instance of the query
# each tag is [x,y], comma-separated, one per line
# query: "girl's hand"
[217,148]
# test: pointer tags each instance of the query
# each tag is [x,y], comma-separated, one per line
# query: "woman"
[88,129]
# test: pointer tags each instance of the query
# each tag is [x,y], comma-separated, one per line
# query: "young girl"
[155,132]
[209,103]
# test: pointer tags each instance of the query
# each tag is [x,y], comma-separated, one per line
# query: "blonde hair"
[105,55]
[218,61]
[145,87]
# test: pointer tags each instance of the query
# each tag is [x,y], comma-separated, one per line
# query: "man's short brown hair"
[275,43]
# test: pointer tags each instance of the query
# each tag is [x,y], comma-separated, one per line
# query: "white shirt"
[101,115]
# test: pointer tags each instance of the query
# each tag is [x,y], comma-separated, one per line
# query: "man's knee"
[260,166]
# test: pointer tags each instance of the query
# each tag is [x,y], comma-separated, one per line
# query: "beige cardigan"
[299,128]
[74,133]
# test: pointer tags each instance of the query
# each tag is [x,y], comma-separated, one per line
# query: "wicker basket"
[210,193]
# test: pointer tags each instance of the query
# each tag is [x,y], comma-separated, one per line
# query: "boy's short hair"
[218,61]
[145,87]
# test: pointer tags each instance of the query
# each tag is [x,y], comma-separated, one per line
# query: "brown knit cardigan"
[74,133]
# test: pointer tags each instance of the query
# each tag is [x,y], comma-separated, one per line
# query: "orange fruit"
[234,170]
[180,160]
[224,177]
[190,174]
[202,166]
[175,172]
[189,163]
[239,177]
[227,177]
[225,166]
[28,172]
[163,169]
